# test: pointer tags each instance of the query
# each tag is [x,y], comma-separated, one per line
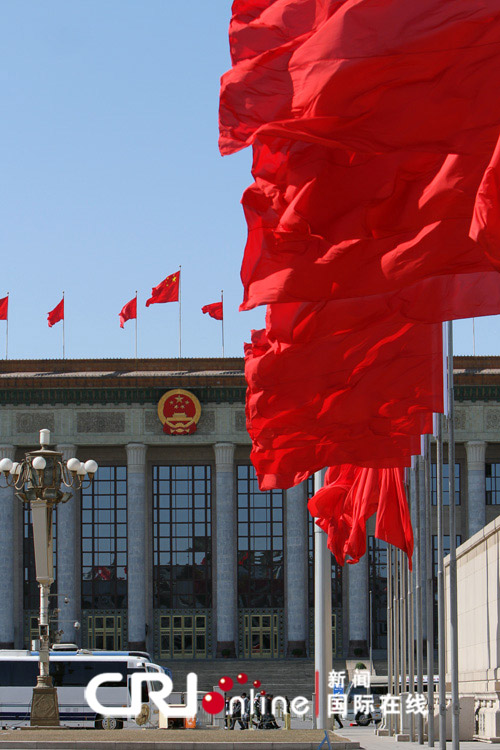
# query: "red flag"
[57,314]
[166,291]
[128,311]
[4,307]
[214,310]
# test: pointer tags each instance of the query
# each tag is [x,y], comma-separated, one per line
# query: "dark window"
[492,484]
[31,592]
[446,551]
[260,543]
[446,499]
[104,540]
[336,568]
[377,561]
[182,536]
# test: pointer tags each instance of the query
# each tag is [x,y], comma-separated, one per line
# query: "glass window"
[182,536]
[446,499]
[492,484]
[336,568]
[377,562]
[104,550]
[446,551]
[260,541]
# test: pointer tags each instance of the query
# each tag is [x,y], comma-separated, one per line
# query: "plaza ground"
[348,738]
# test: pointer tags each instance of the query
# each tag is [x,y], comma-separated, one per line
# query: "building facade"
[172,547]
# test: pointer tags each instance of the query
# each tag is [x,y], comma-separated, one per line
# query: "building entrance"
[261,635]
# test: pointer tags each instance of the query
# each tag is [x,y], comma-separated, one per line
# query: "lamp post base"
[44,707]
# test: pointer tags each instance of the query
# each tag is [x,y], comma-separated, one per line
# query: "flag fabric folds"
[215,310]
[4,308]
[128,312]
[57,314]
[374,215]
[166,291]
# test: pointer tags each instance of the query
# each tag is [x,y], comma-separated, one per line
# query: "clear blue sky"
[110,178]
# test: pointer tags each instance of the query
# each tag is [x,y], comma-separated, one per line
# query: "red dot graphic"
[226,683]
[213,703]
[256,683]
[242,678]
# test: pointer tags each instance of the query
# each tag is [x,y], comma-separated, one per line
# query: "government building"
[172,548]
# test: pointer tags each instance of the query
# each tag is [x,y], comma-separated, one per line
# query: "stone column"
[136,545]
[358,607]
[296,567]
[7,510]
[476,485]
[68,564]
[225,550]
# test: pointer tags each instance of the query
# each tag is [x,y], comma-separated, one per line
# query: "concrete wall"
[478,581]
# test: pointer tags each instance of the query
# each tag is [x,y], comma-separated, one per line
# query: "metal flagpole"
[473,337]
[222,321]
[136,314]
[322,616]
[440,585]
[410,605]
[429,593]
[403,626]
[395,608]
[455,701]
[64,318]
[418,600]
[389,723]
[7,330]
[180,334]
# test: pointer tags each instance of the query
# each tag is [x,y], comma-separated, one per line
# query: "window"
[182,536]
[446,500]
[377,561]
[260,543]
[336,568]
[446,551]
[31,592]
[104,540]
[492,484]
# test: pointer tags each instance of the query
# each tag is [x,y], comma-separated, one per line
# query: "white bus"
[71,672]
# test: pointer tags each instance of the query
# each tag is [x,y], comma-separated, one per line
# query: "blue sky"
[111,178]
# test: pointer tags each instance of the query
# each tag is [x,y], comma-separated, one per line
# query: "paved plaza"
[348,738]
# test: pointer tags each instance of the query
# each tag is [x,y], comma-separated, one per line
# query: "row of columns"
[225,562]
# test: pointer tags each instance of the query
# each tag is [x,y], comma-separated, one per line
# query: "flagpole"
[180,334]
[63,320]
[136,314]
[455,700]
[429,593]
[7,330]
[222,321]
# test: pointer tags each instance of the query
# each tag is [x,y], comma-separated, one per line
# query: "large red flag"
[336,60]
[214,310]
[166,291]
[57,314]
[128,311]
[4,308]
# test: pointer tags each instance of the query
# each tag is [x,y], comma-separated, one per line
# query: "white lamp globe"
[81,471]
[73,464]
[5,464]
[91,467]
[16,468]
[39,463]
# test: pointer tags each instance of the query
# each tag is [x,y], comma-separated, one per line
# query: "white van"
[71,672]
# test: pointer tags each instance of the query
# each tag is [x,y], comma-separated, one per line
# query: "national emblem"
[179,412]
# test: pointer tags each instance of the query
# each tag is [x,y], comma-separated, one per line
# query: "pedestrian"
[236,716]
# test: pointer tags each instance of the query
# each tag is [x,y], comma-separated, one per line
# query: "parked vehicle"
[71,672]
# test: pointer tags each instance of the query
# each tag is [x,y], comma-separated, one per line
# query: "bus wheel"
[108,722]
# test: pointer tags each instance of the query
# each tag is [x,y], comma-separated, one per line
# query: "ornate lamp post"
[38,479]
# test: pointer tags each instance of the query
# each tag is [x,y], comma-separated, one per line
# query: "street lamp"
[38,479]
